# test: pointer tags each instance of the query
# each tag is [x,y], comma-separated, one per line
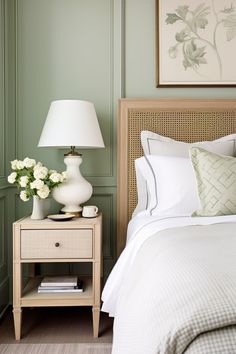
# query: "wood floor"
[56,325]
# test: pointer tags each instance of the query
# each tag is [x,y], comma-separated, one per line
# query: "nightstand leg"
[17,313]
[96,317]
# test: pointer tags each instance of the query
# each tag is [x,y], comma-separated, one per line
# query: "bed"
[173,289]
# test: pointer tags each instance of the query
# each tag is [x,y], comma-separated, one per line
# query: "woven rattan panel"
[188,126]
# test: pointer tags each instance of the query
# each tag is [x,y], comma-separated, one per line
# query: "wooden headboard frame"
[184,120]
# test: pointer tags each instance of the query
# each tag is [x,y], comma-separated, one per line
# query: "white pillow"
[172,185]
[155,144]
[142,192]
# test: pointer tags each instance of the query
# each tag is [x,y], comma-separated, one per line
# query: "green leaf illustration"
[202,10]
[200,23]
[182,11]
[193,55]
[172,18]
[199,17]
[182,35]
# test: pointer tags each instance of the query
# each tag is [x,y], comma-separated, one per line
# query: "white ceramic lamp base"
[75,190]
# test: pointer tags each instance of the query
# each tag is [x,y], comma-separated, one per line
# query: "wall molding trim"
[3,233]
[2,90]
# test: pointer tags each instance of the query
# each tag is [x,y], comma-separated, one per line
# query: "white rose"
[37,184]
[51,171]
[20,165]
[14,164]
[29,162]
[56,177]
[39,164]
[40,172]
[43,192]
[64,175]
[24,196]
[12,177]
[23,181]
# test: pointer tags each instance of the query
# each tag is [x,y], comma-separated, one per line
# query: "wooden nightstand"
[44,241]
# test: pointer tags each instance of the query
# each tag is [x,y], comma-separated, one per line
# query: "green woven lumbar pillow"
[216,181]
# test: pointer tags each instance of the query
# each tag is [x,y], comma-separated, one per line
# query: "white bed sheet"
[141,228]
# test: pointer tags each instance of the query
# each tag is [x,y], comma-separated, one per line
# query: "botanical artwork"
[197,42]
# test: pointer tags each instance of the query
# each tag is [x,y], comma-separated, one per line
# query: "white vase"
[40,208]
[76,189]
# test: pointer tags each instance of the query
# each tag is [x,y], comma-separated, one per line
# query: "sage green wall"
[98,50]
[140,58]
[65,49]
[4,279]
[7,147]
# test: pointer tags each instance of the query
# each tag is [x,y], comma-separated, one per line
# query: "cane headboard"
[183,120]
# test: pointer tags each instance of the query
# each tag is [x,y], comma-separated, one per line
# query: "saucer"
[61,217]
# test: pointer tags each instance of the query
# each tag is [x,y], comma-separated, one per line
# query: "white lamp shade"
[71,123]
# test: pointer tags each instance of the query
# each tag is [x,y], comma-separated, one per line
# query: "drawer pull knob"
[57,244]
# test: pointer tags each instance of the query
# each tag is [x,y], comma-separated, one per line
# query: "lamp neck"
[72,152]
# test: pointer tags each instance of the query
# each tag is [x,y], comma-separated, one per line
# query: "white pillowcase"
[172,185]
[154,143]
[142,192]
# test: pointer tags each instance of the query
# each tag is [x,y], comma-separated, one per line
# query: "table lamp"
[72,123]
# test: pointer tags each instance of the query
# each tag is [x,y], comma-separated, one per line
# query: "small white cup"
[90,211]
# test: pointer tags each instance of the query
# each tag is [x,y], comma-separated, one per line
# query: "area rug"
[74,348]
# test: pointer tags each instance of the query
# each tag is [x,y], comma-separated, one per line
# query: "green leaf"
[181,36]
[201,23]
[199,19]
[186,63]
[193,55]
[202,60]
[172,18]
[182,11]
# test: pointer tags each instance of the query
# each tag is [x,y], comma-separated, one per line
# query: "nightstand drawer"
[67,243]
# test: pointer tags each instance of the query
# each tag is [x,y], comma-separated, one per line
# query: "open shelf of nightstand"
[31,297]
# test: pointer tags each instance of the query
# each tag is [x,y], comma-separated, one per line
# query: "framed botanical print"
[196,43]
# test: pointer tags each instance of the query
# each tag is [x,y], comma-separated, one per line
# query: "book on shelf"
[62,289]
[48,291]
[60,280]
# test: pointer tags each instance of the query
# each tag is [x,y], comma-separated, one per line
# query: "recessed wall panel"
[65,51]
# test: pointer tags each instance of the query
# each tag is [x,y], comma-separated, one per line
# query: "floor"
[56,325]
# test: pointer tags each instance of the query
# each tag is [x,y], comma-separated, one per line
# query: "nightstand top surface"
[63,224]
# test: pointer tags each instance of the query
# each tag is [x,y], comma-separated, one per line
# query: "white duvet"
[175,279]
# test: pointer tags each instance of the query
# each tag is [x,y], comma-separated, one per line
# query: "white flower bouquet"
[35,178]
